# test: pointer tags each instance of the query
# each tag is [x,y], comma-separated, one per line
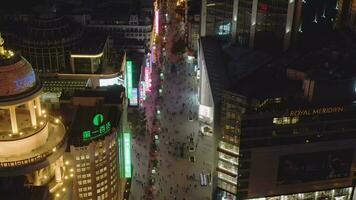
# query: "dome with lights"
[17,77]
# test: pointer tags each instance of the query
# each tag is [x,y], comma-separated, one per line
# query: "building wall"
[271,179]
[228,129]
[307,150]
[96,170]
[205,97]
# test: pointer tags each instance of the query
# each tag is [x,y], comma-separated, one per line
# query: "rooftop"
[260,75]
[90,43]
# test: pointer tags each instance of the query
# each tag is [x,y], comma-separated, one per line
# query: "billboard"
[129,78]
[98,128]
[315,166]
[127,155]
[134,97]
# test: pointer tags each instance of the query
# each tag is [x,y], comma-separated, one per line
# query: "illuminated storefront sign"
[134,97]
[127,154]
[316,111]
[148,79]
[101,128]
[142,90]
[157,21]
[129,78]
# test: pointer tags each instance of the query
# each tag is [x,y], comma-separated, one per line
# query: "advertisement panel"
[129,78]
[297,168]
[316,166]
[127,155]
[134,97]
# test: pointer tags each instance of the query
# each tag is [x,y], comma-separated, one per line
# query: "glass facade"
[219,18]
[271,23]
[244,22]
[228,147]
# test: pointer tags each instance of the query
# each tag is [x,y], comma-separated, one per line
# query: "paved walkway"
[177,177]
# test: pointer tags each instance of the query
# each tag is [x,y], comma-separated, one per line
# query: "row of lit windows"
[100,171]
[84,182]
[285,120]
[83,164]
[229,147]
[102,189]
[84,189]
[84,176]
[83,169]
[101,184]
[228,158]
[227,178]
[86,194]
[82,157]
[227,166]
[101,176]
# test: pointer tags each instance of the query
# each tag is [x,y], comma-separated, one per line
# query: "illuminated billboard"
[129,78]
[134,97]
[127,155]
[110,81]
[100,129]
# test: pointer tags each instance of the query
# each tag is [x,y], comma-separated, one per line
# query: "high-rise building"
[266,24]
[97,143]
[32,142]
[283,125]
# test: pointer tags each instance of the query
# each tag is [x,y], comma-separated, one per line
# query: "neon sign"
[129,78]
[142,91]
[127,154]
[101,128]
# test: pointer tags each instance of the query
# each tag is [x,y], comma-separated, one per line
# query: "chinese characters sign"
[101,128]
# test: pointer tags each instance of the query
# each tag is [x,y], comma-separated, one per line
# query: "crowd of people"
[172,124]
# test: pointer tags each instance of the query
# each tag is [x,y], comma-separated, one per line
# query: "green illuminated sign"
[102,128]
[127,154]
[129,78]
[98,119]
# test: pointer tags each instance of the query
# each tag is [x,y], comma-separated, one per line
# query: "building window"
[285,120]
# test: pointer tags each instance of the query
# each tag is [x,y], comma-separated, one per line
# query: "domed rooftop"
[47,29]
[17,78]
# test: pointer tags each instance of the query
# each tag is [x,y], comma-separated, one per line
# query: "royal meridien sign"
[316,111]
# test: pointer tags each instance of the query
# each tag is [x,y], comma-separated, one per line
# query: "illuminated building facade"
[285,137]
[95,144]
[266,24]
[32,142]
